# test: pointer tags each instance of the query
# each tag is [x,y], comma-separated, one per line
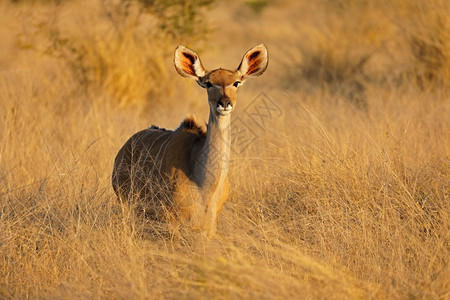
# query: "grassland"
[340,174]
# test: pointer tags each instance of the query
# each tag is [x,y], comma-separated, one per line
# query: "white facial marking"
[224,111]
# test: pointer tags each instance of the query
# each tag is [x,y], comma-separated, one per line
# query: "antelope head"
[221,84]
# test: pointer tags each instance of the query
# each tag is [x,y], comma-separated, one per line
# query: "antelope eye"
[208,84]
[236,83]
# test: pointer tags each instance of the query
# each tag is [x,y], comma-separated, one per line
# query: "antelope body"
[180,176]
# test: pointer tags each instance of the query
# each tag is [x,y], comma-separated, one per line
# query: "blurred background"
[122,50]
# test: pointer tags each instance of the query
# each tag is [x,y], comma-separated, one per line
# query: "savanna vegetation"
[340,161]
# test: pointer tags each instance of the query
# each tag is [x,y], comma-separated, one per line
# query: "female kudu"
[180,176]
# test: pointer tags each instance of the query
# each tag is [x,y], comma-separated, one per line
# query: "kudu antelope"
[180,176]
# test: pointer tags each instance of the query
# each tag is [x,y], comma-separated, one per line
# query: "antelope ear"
[254,62]
[187,63]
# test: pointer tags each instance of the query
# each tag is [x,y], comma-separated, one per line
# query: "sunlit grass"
[334,198]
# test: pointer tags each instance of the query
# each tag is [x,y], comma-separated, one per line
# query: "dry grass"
[343,193]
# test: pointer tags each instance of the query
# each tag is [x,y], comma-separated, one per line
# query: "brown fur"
[190,125]
[222,77]
[168,192]
[181,175]
[140,155]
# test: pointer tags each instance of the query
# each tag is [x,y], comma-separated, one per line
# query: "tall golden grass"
[342,192]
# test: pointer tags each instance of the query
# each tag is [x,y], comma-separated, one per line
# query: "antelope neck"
[213,161]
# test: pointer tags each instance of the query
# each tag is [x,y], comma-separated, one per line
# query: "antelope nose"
[225,103]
